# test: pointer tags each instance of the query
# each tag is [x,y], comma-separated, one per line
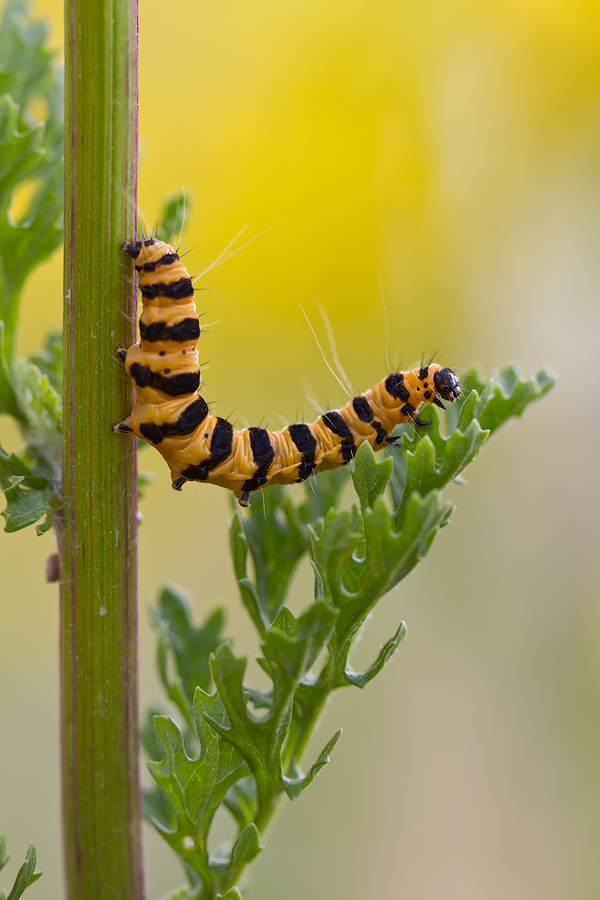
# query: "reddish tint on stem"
[97,532]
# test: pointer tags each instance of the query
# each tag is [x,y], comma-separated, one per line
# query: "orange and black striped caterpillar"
[171,415]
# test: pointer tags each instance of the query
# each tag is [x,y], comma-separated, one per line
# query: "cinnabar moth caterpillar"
[171,415]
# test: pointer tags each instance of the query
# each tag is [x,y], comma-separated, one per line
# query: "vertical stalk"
[98,532]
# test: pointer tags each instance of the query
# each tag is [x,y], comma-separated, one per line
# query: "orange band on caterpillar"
[171,415]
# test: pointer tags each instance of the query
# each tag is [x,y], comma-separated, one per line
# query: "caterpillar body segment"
[171,415]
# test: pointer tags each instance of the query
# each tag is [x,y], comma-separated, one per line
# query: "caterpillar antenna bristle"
[341,384]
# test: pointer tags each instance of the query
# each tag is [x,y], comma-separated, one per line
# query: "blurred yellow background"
[455,146]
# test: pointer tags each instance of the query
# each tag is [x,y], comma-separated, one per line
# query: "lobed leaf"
[276,540]
[429,468]
[25,506]
[369,476]
[189,646]
[507,394]
[347,675]
[195,787]
[294,786]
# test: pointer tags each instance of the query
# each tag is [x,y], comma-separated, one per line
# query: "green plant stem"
[98,529]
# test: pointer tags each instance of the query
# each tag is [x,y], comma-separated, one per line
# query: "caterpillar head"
[447,386]
[134,248]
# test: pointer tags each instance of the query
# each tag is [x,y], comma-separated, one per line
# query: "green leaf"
[172,217]
[241,801]
[154,802]
[277,542]
[184,893]
[11,464]
[195,788]
[26,874]
[248,592]
[245,849]
[8,400]
[292,645]
[49,361]
[25,63]
[429,469]
[143,480]
[369,476]
[357,567]
[4,855]
[30,149]
[232,894]
[322,494]
[43,409]
[25,506]
[428,459]
[294,786]
[360,679]
[507,394]
[189,646]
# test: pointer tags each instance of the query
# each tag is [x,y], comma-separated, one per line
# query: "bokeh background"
[454,146]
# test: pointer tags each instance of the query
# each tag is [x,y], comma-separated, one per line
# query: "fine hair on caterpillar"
[171,415]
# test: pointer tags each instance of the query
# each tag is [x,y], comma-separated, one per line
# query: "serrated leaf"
[369,476]
[25,507]
[294,786]
[195,788]
[276,541]
[430,468]
[189,646]
[386,557]
[506,394]
[292,645]
[361,679]
[248,593]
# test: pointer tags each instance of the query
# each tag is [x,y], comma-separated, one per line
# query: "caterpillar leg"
[123,427]
[121,352]
[243,498]
[177,479]
[418,421]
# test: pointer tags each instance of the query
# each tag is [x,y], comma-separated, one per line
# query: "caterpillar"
[171,415]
